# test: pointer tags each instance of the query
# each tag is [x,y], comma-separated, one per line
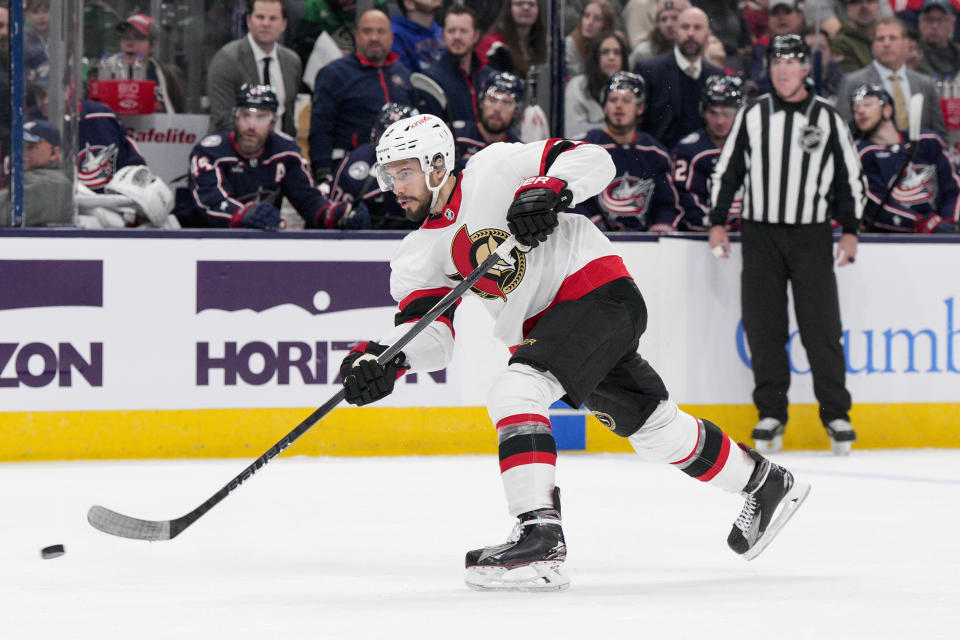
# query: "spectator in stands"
[500,99]
[582,110]
[785,17]
[257,58]
[35,35]
[640,20]
[573,10]
[830,73]
[595,18]
[663,38]
[103,147]
[459,71]
[832,14]
[727,23]
[941,56]
[914,52]
[338,18]
[355,182]
[349,93]
[715,53]
[888,69]
[518,40]
[695,156]
[852,43]
[912,190]
[47,191]
[138,39]
[757,16]
[641,197]
[673,77]
[417,38]
[239,176]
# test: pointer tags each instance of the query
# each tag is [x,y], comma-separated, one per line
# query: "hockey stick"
[123,526]
[426,84]
[915,112]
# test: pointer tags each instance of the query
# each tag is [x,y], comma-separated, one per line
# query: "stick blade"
[117,524]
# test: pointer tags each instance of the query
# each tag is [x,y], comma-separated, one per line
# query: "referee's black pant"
[803,255]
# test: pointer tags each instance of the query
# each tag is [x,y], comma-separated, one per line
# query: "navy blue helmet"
[625,81]
[258,96]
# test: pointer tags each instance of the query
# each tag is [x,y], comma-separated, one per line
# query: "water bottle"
[105,68]
[138,71]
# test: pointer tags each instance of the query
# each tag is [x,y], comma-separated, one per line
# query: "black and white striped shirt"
[797,161]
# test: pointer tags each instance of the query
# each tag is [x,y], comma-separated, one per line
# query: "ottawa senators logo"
[469,250]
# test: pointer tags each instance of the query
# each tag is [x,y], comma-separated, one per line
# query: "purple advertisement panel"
[235,285]
[50,283]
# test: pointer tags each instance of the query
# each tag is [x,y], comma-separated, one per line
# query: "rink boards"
[133,345]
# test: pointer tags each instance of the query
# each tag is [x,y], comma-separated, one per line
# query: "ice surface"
[373,548]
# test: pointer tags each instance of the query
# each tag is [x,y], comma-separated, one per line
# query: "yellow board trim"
[247,433]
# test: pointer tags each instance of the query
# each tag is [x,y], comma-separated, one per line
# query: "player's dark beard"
[619,129]
[420,212]
[496,131]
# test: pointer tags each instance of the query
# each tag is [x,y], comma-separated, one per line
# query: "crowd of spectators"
[640,77]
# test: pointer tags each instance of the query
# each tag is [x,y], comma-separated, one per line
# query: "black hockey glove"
[533,213]
[364,379]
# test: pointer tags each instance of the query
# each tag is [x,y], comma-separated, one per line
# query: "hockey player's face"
[253,127]
[719,120]
[266,23]
[787,75]
[868,113]
[497,111]
[409,186]
[622,111]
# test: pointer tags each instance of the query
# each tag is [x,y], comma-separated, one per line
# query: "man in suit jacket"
[889,70]
[245,60]
[675,81]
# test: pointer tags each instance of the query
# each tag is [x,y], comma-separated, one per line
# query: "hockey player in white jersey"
[572,317]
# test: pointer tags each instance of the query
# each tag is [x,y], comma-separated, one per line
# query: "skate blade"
[791,502]
[536,576]
[841,448]
[774,445]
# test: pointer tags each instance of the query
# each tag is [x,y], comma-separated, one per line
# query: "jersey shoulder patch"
[212,140]
[691,138]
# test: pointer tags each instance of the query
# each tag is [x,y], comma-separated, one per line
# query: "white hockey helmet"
[151,195]
[425,138]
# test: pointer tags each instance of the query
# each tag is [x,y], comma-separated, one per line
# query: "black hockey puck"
[53,551]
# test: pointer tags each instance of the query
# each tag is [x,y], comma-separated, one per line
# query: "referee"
[795,158]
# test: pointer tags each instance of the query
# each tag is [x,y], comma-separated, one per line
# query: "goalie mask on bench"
[149,193]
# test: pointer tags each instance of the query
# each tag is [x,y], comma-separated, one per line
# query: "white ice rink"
[373,548]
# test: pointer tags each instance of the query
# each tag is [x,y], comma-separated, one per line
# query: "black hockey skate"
[772,498]
[531,560]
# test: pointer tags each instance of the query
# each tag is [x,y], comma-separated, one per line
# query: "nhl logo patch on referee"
[810,138]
